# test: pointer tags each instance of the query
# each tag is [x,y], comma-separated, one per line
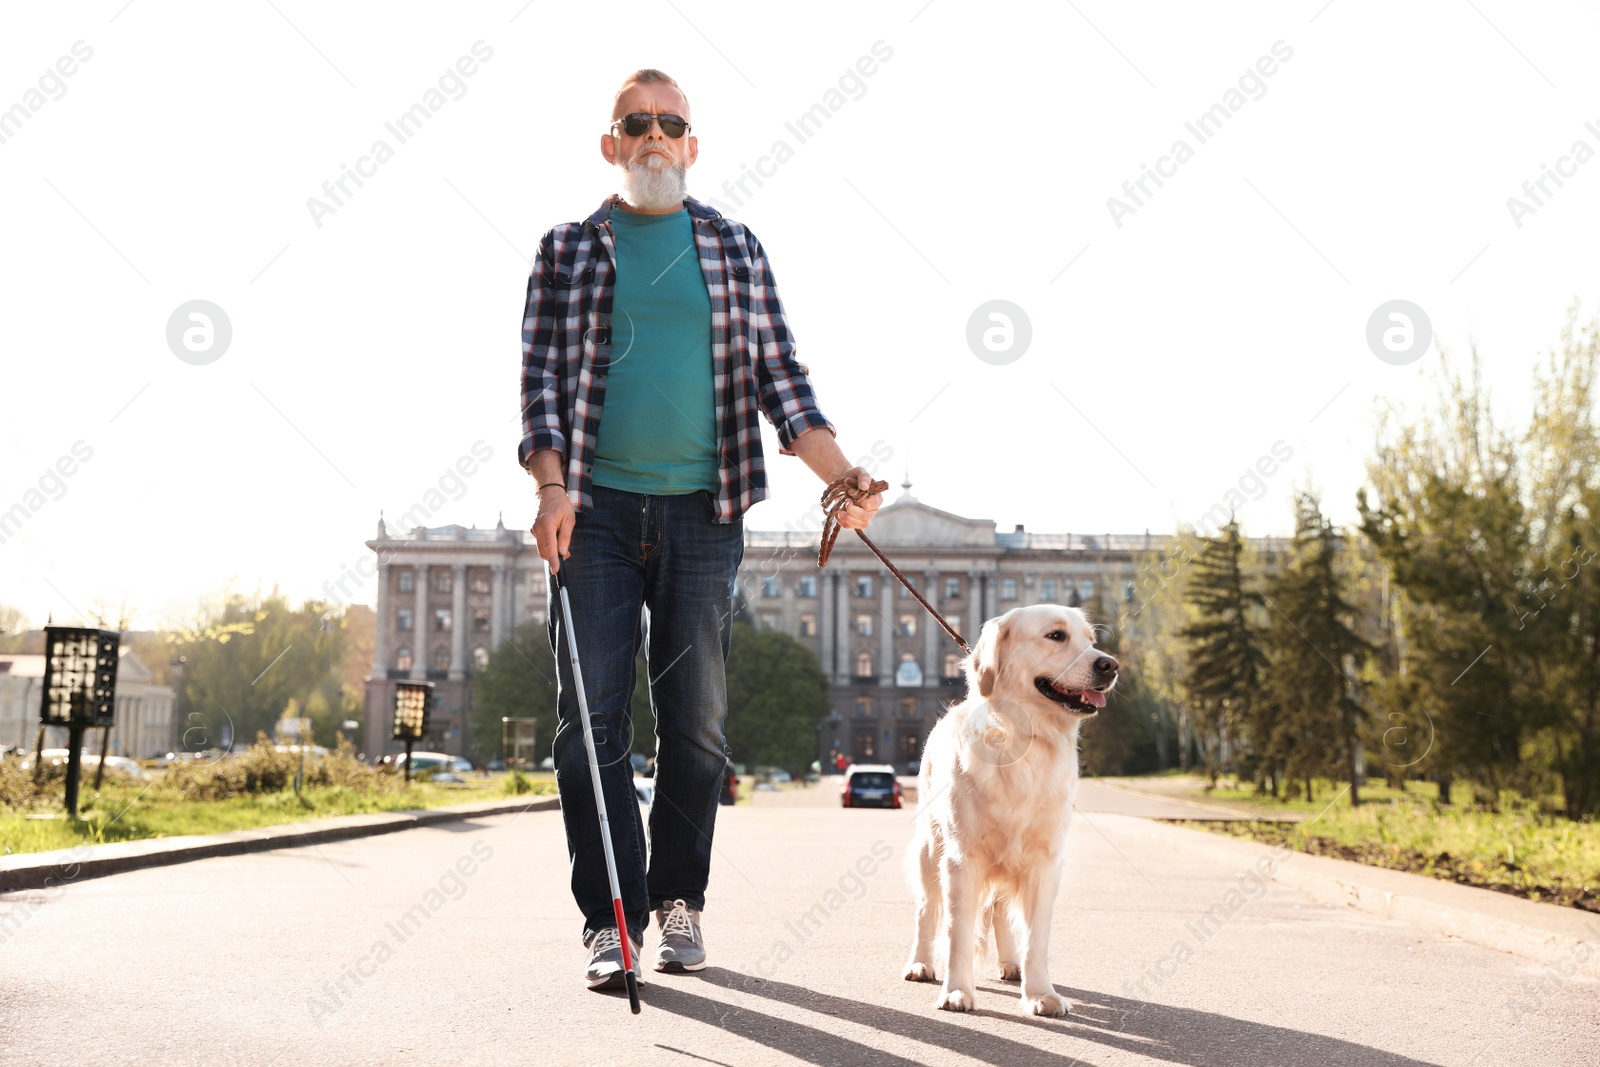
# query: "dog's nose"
[1105,665]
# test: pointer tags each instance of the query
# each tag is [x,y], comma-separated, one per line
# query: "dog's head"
[1045,651]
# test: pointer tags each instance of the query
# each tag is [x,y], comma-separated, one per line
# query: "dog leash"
[840,494]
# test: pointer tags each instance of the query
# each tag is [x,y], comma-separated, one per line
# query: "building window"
[402,619]
[480,620]
[905,592]
[864,751]
[441,580]
[480,657]
[864,665]
[480,583]
[863,624]
[769,586]
[441,658]
[1047,588]
[864,585]
[769,621]
[1086,591]
[908,707]
[406,582]
[1008,589]
[952,588]
[402,660]
[808,626]
[1127,590]
[441,620]
[952,665]
[807,586]
[863,707]
[907,626]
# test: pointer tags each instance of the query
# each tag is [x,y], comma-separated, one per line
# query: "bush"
[516,784]
[261,768]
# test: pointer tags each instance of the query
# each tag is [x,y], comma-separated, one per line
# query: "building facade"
[891,668]
[447,597]
[143,727]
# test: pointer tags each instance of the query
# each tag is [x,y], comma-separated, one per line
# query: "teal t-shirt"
[658,423]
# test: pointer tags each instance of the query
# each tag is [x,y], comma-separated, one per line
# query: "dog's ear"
[983,666]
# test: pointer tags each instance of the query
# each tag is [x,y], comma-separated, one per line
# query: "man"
[652,335]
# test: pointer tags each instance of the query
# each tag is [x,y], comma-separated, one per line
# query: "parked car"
[548,763]
[425,763]
[117,765]
[644,789]
[870,785]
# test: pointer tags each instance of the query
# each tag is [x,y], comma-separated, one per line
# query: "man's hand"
[819,451]
[553,522]
[552,526]
[857,516]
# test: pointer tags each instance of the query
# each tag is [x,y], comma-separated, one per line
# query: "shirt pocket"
[570,279]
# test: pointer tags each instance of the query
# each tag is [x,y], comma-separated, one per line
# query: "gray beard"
[654,188]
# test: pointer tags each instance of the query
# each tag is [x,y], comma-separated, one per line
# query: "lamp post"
[177,664]
[411,705]
[80,690]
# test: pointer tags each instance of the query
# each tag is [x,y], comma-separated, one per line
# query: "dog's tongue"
[1092,697]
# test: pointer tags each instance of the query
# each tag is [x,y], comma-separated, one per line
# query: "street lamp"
[411,705]
[80,690]
[177,664]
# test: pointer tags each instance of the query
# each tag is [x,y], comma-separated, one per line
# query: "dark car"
[869,785]
[730,787]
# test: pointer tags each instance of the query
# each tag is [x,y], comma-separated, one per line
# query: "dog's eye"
[1056,635]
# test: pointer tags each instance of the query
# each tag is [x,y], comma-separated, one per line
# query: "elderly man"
[652,336]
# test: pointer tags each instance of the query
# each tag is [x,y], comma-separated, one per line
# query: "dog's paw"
[919,972]
[956,1000]
[1010,972]
[1051,1004]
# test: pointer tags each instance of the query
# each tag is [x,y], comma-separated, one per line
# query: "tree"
[13,624]
[1225,657]
[777,694]
[1313,652]
[248,657]
[518,682]
[1127,737]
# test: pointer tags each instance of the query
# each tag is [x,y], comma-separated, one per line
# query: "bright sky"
[369,354]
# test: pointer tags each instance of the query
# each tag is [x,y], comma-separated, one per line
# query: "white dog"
[994,799]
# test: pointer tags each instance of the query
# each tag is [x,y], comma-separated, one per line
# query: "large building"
[143,714]
[448,596]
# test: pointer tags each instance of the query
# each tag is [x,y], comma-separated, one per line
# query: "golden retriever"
[994,799]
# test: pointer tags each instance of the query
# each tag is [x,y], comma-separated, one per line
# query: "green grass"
[131,812]
[1519,849]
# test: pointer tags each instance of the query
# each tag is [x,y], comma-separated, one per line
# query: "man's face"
[653,148]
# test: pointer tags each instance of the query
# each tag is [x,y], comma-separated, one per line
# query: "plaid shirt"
[566,350]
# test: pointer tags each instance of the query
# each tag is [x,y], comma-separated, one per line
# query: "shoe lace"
[678,921]
[605,940]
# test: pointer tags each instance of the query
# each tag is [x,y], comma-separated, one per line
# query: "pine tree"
[1225,657]
[1315,652]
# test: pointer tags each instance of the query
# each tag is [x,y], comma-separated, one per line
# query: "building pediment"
[911,522]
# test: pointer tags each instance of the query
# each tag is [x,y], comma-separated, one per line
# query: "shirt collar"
[697,210]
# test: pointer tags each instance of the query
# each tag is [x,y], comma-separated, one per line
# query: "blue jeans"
[664,553]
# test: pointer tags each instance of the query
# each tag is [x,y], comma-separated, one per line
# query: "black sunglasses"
[638,124]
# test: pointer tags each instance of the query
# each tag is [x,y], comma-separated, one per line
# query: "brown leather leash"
[840,494]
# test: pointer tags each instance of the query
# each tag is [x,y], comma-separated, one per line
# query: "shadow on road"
[1176,1035]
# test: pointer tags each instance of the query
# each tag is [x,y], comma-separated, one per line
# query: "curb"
[47,870]
[1562,938]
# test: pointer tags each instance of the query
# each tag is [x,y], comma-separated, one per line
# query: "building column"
[458,628]
[380,631]
[974,607]
[419,625]
[842,663]
[886,657]
[497,608]
[825,627]
[930,635]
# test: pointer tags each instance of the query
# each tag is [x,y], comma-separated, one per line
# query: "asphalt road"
[304,956]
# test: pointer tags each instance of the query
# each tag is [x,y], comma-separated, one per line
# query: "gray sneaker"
[605,960]
[681,947]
